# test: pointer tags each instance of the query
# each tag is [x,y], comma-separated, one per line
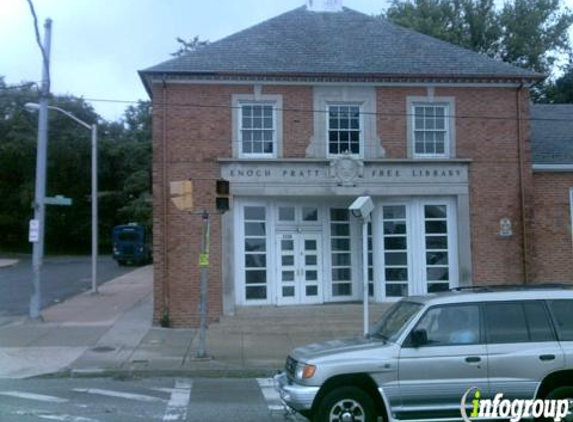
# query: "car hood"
[335,348]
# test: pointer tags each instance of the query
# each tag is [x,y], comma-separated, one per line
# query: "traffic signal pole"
[181,192]
[204,292]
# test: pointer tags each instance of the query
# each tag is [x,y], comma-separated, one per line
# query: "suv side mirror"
[418,338]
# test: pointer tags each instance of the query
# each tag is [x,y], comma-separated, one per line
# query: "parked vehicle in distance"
[426,352]
[131,244]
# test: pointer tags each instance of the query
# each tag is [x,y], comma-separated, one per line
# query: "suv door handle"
[547,357]
[473,359]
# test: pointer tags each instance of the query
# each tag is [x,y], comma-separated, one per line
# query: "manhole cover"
[103,349]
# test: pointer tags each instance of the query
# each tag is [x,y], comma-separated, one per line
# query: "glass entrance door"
[299,269]
[418,244]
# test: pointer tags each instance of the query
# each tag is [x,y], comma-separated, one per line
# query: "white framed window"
[431,129]
[341,253]
[257,129]
[255,253]
[344,130]
[417,250]
[397,272]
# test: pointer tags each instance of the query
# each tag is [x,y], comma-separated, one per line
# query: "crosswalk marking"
[163,390]
[272,396]
[175,399]
[179,401]
[54,417]
[118,394]
[66,418]
[32,396]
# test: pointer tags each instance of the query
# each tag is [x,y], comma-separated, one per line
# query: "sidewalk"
[111,334]
[74,327]
[5,262]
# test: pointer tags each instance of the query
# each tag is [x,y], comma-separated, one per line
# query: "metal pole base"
[202,358]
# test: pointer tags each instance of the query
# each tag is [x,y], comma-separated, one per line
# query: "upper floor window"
[344,130]
[431,130]
[257,129]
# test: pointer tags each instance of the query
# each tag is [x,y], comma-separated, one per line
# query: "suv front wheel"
[346,404]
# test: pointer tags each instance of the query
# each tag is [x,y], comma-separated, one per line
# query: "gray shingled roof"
[347,42]
[552,133]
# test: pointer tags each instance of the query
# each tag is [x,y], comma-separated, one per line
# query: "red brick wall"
[297,118]
[551,240]
[486,133]
[197,126]
[198,131]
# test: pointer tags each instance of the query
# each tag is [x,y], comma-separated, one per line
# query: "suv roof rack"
[502,287]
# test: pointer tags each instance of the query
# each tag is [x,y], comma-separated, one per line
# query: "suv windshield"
[394,320]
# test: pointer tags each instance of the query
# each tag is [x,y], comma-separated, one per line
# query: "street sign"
[204,260]
[34,231]
[58,200]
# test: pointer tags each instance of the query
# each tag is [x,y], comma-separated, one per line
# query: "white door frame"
[299,267]
[417,283]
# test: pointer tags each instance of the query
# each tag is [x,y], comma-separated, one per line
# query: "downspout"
[164,152]
[520,153]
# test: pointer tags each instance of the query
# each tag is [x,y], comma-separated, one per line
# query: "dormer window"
[257,129]
[344,130]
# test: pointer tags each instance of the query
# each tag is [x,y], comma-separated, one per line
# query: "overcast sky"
[98,45]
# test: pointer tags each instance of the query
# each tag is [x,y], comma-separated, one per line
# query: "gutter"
[552,168]
[166,299]
[522,193]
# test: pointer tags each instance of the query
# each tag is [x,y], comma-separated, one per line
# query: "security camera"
[362,207]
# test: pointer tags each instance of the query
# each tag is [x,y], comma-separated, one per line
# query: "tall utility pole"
[94,209]
[40,191]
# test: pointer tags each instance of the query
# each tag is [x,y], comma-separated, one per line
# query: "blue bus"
[131,244]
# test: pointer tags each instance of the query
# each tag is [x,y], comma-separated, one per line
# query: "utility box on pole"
[182,194]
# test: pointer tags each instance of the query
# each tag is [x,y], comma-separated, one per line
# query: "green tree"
[124,170]
[561,91]
[186,46]
[526,33]
[467,23]
[534,33]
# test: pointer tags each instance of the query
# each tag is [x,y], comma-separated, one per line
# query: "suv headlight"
[304,371]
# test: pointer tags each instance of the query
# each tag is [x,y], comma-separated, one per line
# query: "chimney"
[324,5]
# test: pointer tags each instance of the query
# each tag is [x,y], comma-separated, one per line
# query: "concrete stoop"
[331,319]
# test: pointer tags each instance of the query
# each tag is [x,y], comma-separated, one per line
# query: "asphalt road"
[160,399]
[62,277]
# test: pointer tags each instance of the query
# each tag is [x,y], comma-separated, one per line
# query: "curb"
[7,263]
[161,373]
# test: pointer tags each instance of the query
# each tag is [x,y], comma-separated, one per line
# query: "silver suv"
[426,352]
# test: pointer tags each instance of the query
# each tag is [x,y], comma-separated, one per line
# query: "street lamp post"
[93,129]
[40,184]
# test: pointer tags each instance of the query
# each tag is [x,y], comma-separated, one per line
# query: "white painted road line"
[118,394]
[179,401]
[65,418]
[32,396]
[163,390]
[272,396]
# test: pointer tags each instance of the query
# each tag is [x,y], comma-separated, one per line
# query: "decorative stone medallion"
[346,169]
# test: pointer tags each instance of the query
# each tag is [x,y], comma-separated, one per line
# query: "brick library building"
[303,113]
